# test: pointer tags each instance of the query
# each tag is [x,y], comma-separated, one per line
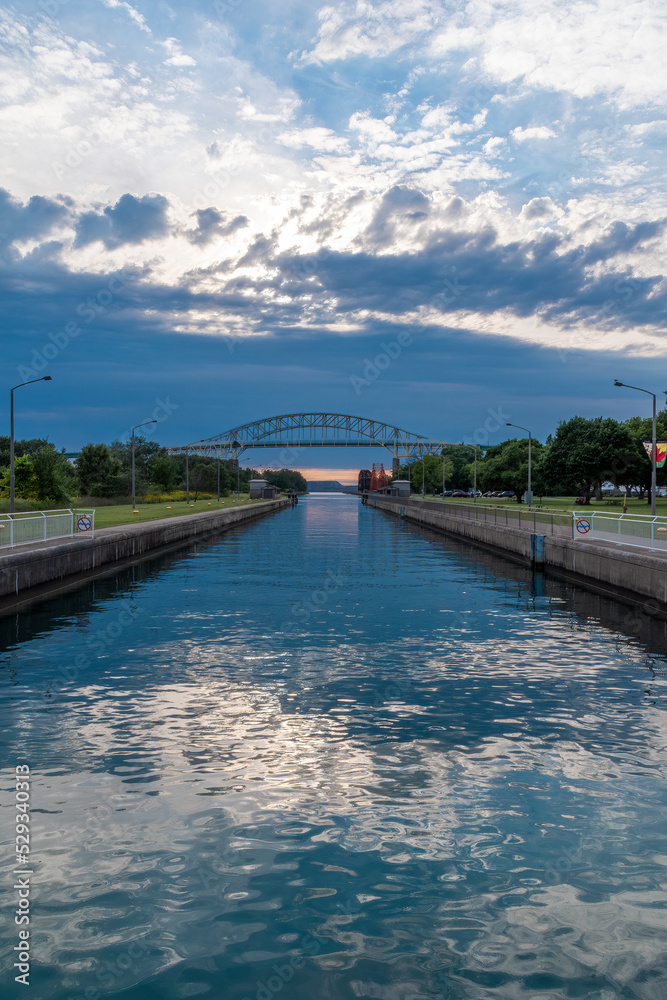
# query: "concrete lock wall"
[618,572]
[22,570]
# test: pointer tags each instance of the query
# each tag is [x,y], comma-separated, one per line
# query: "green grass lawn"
[112,516]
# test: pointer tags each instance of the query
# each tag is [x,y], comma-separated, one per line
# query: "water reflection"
[334,755]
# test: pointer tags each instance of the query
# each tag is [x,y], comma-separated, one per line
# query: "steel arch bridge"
[294,431]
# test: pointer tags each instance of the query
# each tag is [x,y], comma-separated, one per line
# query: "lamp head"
[47,378]
[616,382]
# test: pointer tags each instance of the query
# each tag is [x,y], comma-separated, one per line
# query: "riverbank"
[43,565]
[618,571]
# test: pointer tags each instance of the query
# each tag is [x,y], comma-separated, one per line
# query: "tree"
[286,479]
[431,473]
[585,454]
[203,478]
[23,447]
[99,473]
[24,479]
[634,469]
[505,467]
[145,453]
[54,476]
[164,473]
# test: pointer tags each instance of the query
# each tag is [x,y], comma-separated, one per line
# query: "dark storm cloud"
[545,277]
[478,273]
[32,220]
[212,223]
[130,220]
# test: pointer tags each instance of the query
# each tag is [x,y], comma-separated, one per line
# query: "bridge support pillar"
[394,465]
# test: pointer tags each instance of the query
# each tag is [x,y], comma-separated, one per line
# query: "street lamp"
[45,378]
[133,430]
[236,445]
[530,494]
[443,472]
[653,450]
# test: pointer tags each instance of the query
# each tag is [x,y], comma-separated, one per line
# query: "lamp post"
[474,488]
[653,449]
[133,430]
[236,446]
[45,378]
[424,476]
[530,492]
[443,471]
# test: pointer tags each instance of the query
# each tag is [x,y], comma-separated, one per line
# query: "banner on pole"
[660,452]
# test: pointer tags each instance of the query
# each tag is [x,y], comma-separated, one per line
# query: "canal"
[332,755]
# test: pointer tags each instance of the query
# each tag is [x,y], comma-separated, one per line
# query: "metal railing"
[550,522]
[641,530]
[42,525]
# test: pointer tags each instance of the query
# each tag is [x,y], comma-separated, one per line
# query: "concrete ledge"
[620,573]
[509,541]
[22,570]
[630,573]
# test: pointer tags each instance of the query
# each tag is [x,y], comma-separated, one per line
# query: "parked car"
[506,493]
[447,493]
[460,493]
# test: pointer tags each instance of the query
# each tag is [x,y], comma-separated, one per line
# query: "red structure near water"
[379,477]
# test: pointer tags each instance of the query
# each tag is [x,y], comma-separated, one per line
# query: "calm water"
[334,756]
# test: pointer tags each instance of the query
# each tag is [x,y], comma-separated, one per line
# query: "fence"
[41,525]
[543,520]
[642,530]
[591,525]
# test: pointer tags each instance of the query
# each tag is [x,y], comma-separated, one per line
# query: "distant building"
[256,488]
[364,481]
[270,492]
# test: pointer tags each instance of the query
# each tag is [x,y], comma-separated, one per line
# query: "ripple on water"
[425,781]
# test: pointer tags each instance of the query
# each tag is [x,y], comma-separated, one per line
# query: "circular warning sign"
[84,523]
[583,525]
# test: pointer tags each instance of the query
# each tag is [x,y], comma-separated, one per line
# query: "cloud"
[176,57]
[399,205]
[533,132]
[538,208]
[370,29]
[134,14]
[212,223]
[130,220]
[19,221]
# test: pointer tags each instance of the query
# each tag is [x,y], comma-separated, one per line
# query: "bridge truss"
[294,431]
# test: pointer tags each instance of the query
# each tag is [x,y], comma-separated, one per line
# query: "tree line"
[581,456]
[45,475]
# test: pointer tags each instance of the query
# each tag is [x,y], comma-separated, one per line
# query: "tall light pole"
[236,446]
[424,476]
[443,470]
[474,488]
[530,493]
[653,450]
[133,430]
[45,378]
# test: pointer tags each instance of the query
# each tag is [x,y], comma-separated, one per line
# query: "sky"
[227,210]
